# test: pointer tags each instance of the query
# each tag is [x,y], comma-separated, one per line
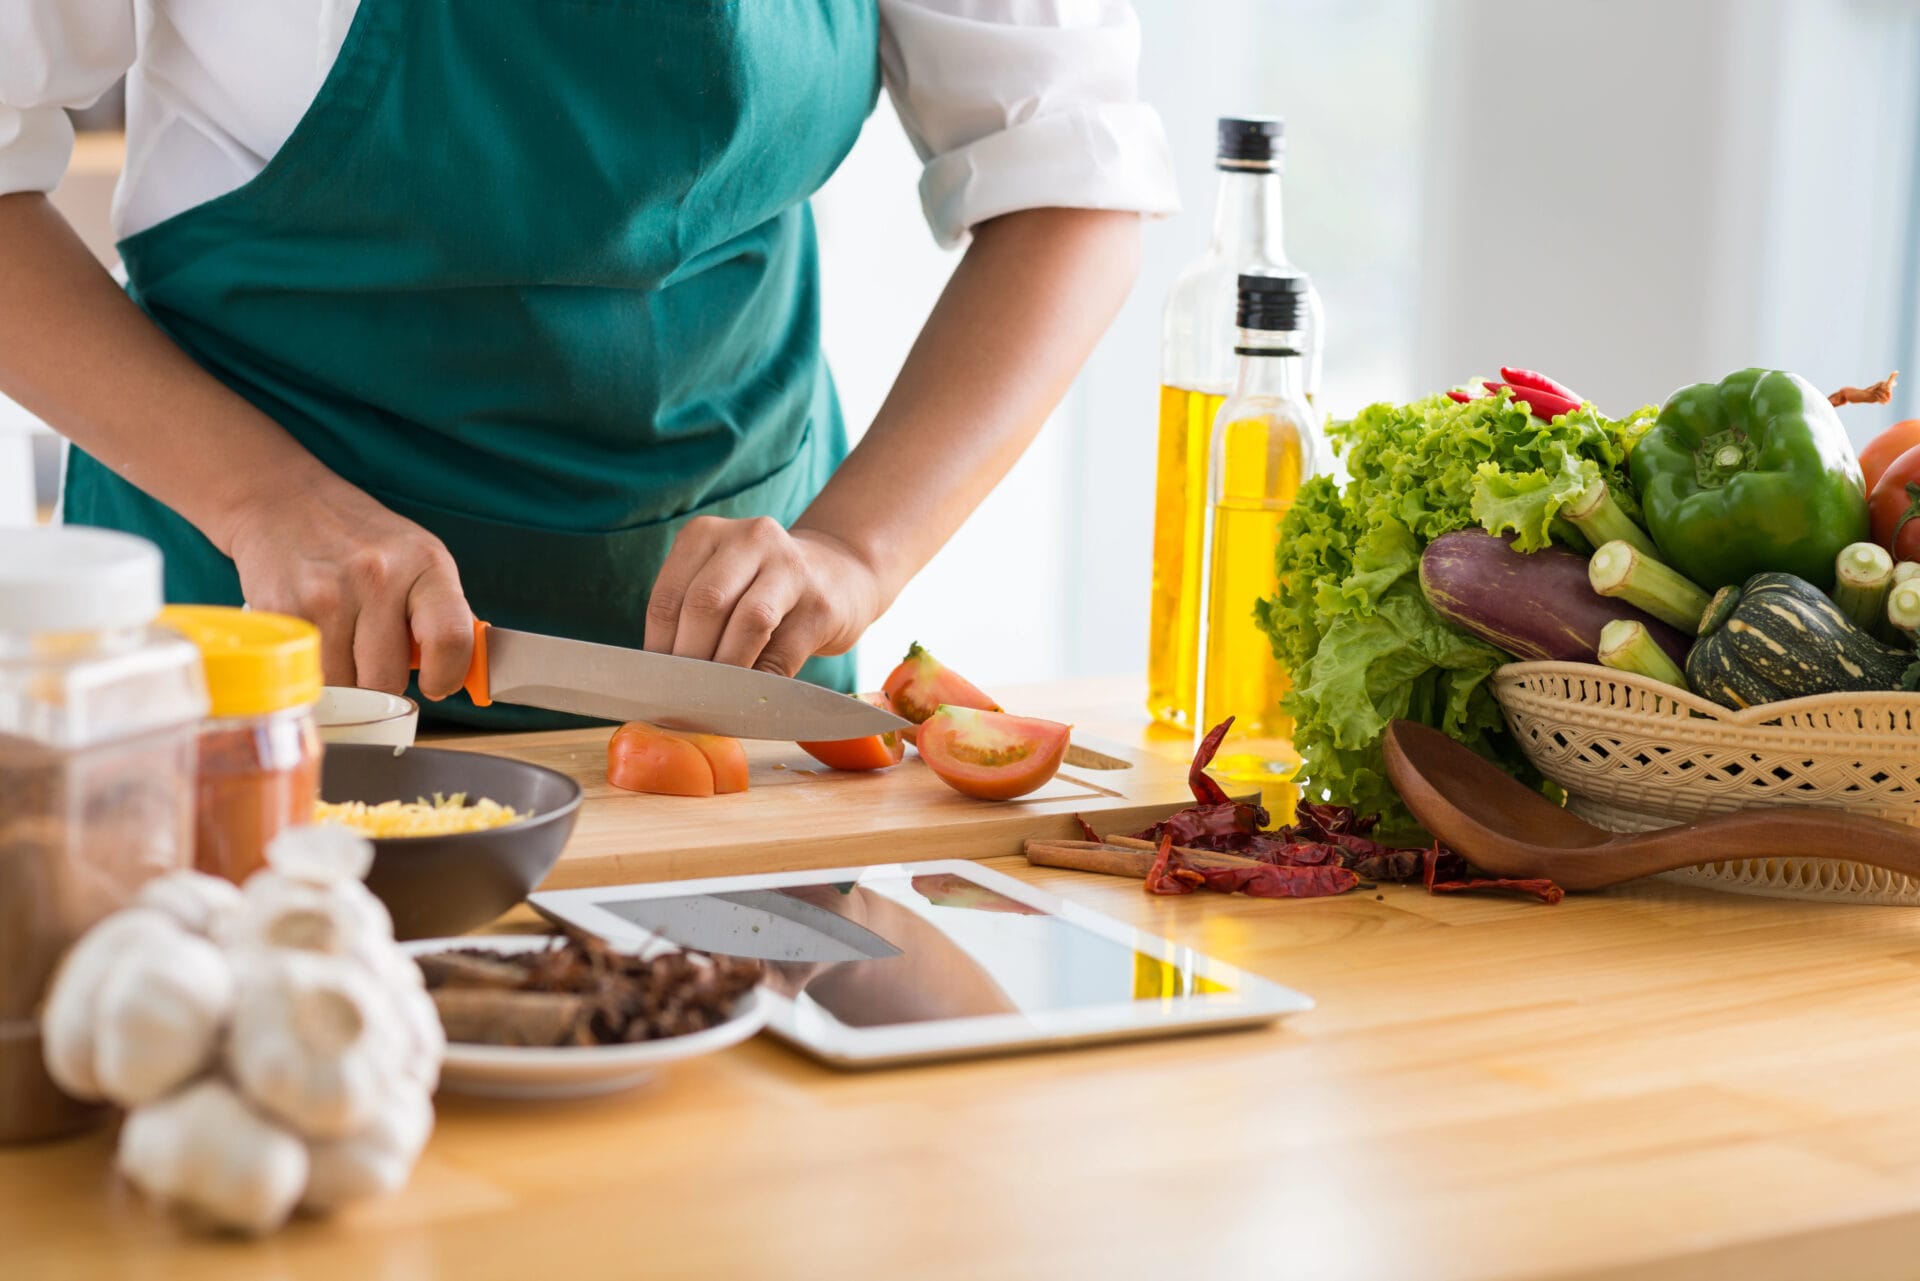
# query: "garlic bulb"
[325,854]
[199,903]
[424,1037]
[136,1008]
[373,1162]
[275,1044]
[340,919]
[206,1151]
[158,1018]
[314,1041]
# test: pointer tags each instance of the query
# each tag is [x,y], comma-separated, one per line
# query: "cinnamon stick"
[488,1016]
[1119,856]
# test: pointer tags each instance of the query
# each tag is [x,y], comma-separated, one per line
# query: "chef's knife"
[619,684]
[764,925]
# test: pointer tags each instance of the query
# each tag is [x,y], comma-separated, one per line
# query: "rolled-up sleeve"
[1024,104]
[54,54]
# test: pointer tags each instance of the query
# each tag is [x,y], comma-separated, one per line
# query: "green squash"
[1779,637]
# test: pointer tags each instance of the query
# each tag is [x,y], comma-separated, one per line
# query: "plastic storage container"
[98,715]
[259,761]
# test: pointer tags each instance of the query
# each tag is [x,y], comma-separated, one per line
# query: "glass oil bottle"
[1197,371]
[1264,447]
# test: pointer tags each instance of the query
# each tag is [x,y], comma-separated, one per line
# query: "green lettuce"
[1348,621]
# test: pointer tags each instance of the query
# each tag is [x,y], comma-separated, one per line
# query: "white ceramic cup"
[366,716]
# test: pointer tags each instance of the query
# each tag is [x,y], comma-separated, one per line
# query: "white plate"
[572,1072]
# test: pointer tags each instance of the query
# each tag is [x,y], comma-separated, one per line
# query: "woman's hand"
[373,582]
[749,593]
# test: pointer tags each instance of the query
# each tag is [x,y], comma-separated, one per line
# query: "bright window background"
[1630,194]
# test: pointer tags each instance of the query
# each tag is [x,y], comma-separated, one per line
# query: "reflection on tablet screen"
[889,949]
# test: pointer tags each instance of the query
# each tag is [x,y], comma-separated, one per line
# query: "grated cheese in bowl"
[442,816]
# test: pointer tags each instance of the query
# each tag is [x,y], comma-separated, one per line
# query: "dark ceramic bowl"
[440,885]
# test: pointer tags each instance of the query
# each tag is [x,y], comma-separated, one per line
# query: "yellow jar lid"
[256,663]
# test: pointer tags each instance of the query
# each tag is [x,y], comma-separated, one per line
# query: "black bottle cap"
[1251,143]
[1273,303]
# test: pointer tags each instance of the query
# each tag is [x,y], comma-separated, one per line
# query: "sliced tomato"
[990,754]
[921,685]
[875,751]
[727,759]
[643,758]
[1895,504]
[1887,446]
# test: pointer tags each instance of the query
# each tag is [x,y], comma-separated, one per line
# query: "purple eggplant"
[1533,605]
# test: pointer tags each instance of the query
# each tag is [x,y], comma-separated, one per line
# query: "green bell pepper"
[1750,474]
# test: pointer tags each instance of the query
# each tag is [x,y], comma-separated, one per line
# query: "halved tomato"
[921,685]
[646,758]
[990,754]
[875,751]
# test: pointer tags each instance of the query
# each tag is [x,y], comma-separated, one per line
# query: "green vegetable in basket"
[1779,637]
[1749,475]
[1348,620]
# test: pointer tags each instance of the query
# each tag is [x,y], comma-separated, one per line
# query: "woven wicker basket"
[1634,754]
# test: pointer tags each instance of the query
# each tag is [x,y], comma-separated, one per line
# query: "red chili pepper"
[1205,790]
[1086,829]
[1461,396]
[1268,881]
[1542,404]
[1164,876]
[1461,876]
[1532,381]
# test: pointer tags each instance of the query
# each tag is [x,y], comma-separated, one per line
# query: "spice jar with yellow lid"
[259,769]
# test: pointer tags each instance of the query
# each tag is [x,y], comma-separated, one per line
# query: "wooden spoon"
[1506,828]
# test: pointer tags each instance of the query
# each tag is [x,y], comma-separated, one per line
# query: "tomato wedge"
[727,759]
[1887,446]
[646,758]
[990,754]
[875,751]
[921,685]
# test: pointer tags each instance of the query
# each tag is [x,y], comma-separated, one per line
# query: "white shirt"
[1012,104]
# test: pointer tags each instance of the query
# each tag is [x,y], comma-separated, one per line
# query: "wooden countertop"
[1653,1082]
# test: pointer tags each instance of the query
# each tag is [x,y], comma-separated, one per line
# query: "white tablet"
[902,961]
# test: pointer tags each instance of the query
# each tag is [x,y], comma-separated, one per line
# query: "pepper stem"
[1721,457]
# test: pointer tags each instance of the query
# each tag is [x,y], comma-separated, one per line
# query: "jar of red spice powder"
[259,758]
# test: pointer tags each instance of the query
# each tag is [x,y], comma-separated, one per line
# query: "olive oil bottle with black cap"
[1197,370]
[1264,446]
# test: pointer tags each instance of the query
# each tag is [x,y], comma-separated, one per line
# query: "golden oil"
[1179,537]
[1262,448]
[1197,369]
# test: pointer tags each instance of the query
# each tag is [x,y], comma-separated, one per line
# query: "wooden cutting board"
[799,814]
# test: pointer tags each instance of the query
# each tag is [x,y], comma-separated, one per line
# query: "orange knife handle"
[477,681]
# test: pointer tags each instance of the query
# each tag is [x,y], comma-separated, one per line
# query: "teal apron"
[539,275]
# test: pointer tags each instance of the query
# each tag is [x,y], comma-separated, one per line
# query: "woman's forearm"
[1028,302]
[77,353]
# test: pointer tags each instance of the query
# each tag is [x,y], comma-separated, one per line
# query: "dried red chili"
[1326,850]
[1461,876]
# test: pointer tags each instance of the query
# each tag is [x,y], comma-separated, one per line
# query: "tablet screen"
[891,948]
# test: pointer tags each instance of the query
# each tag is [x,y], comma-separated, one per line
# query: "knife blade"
[764,925]
[620,684]
[614,683]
